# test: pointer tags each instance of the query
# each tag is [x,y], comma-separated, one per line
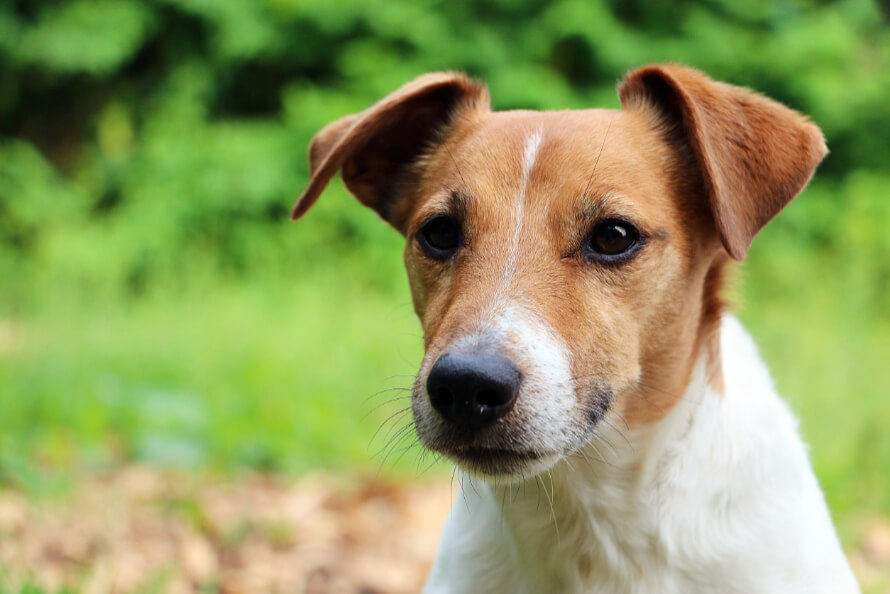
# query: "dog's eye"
[612,238]
[440,237]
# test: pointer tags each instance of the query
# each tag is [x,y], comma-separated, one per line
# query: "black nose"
[472,390]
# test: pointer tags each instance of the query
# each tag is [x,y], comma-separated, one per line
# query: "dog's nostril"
[491,398]
[441,398]
[472,390]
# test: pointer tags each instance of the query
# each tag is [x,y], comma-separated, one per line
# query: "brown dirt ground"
[141,530]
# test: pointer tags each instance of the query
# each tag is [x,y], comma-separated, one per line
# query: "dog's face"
[564,265]
[560,251]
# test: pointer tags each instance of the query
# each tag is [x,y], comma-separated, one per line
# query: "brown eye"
[611,239]
[440,237]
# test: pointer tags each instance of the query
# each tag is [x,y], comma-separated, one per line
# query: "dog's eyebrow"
[447,201]
[592,207]
[607,204]
[459,202]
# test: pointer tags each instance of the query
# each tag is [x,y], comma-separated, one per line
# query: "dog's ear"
[378,149]
[754,154]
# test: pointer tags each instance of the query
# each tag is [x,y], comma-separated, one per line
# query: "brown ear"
[377,148]
[755,154]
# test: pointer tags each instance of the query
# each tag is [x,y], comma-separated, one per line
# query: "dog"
[614,428]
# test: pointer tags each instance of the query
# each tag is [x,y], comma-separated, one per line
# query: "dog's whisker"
[608,443]
[600,455]
[396,436]
[473,483]
[411,445]
[463,490]
[456,167]
[550,501]
[568,462]
[393,418]
[597,162]
[618,431]
[590,461]
[399,375]
[623,422]
[420,460]
[395,447]
[504,490]
[384,391]
[436,460]
[400,430]
[383,404]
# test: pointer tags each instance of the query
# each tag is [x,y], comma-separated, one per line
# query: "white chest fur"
[718,496]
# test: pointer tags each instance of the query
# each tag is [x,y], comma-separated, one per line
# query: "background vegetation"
[156,304]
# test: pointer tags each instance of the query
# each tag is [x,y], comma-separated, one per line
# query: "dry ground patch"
[140,530]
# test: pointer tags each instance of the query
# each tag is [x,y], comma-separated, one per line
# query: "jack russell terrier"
[615,431]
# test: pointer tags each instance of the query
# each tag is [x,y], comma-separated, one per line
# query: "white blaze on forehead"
[529,157]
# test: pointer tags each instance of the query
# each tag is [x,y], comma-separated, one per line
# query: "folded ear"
[754,154]
[378,149]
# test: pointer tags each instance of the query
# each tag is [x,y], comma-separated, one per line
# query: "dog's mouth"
[482,454]
[494,461]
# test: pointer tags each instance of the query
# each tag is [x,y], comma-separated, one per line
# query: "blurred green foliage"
[156,304]
[141,138]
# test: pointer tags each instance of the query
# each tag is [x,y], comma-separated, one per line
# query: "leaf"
[95,36]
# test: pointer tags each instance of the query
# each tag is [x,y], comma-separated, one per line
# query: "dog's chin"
[503,466]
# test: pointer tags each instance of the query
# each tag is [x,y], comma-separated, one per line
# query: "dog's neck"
[591,512]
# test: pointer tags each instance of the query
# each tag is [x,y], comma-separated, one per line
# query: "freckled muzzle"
[470,391]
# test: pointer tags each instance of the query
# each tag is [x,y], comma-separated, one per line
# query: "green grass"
[276,376]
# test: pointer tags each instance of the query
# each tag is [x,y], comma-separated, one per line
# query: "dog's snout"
[472,390]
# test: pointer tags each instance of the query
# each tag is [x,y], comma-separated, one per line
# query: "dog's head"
[565,265]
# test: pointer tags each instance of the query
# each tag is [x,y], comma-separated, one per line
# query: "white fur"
[529,157]
[718,496]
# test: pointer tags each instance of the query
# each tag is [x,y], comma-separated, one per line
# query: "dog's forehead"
[550,160]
